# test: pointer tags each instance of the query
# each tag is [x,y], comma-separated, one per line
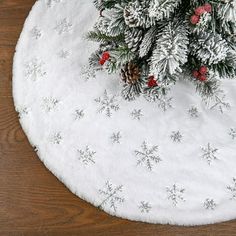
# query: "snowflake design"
[136,114]
[165,103]
[209,204]
[22,111]
[232,189]
[51,2]
[116,137]
[63,54]
[193,112]
[63,26]
[219,102]
[88,72]
[49,104]
[34,70]
[175,194]
[79,114]
[148,156]
[209,153]
[86,155]
[36,32]
[107,104]
[111,196]
[56,138]
[176,136]
[232,133]
[144,207]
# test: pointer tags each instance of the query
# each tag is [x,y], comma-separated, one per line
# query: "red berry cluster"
[199,11]
[105,57]
[152,82]
[201,74]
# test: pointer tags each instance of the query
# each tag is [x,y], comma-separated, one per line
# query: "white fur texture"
[100,158]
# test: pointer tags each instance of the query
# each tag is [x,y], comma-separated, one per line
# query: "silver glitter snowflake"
[34,70]
[86,155]
[218,102]
[22,111]
[175,194]
[176,136]
[147,156]
[50,3]
[49,104]
[63,54]
[111,196]
[165,103]
[232,189]
[144,207]
[209,153]
[193,112]
[56,138]
[79,114]
[136,114]
[209,204]
[116,137]
[63,26]
[107,104]
[232,133]
[36,33]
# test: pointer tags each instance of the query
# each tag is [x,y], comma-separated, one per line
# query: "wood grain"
[32,201]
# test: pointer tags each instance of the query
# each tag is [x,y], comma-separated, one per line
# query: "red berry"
[195,74]
[152,82]
[208,7]
[203,70]
[102,62]
[194,19]
[202,78]
[106,56]
[200,10]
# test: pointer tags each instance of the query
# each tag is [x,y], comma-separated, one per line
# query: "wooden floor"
[32,201]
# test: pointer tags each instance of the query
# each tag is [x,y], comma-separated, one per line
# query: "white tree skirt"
[131,159]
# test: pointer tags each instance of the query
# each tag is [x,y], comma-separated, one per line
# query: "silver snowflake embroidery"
[232,133]
[34,70]
[56,138]
[218,102]
[175,194]
[209,204]
[147,156]
[111,196]
[63,26]
[50,3]
[136,114]
[86,155]
[176,136]
[116,137]
[88,72]
[49,104]
[36,33]
[232,189]
[193,112]
[144,207]
[22,111]
[79,114]
[63,54]
[165,103]
[107,104]
[209,153]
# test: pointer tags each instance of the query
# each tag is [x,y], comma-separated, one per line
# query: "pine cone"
[133,14]
[130,73]
[133,38]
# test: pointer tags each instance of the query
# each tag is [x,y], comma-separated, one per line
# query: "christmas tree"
[154,43]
